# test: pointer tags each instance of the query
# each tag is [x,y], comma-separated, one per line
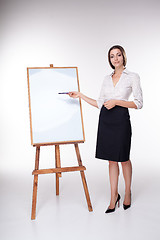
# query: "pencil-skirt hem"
[112,160]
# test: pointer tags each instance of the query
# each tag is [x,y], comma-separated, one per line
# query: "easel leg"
[35,185]
[58,164]
[83,178]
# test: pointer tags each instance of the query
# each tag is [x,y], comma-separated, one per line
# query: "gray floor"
[67,216]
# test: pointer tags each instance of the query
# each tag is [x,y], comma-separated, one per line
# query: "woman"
[114,129]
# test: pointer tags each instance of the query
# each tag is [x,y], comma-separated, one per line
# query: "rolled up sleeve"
[137,91]
[100,100]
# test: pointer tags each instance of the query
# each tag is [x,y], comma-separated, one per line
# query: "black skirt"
[114,134]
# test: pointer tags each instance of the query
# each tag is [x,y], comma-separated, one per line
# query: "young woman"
[114,129]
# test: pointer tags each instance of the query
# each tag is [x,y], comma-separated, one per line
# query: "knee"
[112,163]
[125,163]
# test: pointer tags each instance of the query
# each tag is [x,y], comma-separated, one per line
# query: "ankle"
[114,196]
[127,192]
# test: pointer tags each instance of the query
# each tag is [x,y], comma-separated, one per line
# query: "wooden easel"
[58,170]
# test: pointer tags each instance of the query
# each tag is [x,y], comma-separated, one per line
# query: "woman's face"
[116,58]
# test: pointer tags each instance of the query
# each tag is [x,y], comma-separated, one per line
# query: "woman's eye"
[111,56]
[119,55]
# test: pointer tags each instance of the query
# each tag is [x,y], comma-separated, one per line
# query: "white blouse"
[129,82]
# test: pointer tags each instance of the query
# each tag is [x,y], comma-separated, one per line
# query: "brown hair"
[123,54]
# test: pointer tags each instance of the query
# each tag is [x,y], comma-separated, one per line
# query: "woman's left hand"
[110,104]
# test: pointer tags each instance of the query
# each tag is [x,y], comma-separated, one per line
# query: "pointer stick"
[63,93]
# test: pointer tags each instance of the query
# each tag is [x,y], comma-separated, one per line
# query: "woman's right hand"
[74,94]
[85,98]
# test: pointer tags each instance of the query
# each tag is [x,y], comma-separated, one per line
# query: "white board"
[54,118]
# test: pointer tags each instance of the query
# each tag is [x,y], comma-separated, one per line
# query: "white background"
[77,33]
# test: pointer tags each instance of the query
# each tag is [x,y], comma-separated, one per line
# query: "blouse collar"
[124,71]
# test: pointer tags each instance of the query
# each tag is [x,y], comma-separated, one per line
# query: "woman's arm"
[127,104]
[113,102]
[85,98]
[137,91]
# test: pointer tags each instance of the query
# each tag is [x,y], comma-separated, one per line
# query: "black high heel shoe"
[126,206]
[109,210]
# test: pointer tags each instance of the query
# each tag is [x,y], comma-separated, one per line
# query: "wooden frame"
[30,112]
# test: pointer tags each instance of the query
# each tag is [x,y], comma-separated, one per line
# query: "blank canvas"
[54,118]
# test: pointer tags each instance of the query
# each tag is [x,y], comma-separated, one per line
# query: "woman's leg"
[127,173]
[113,176]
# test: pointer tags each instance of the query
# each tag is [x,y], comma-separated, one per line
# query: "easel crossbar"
[58,170]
